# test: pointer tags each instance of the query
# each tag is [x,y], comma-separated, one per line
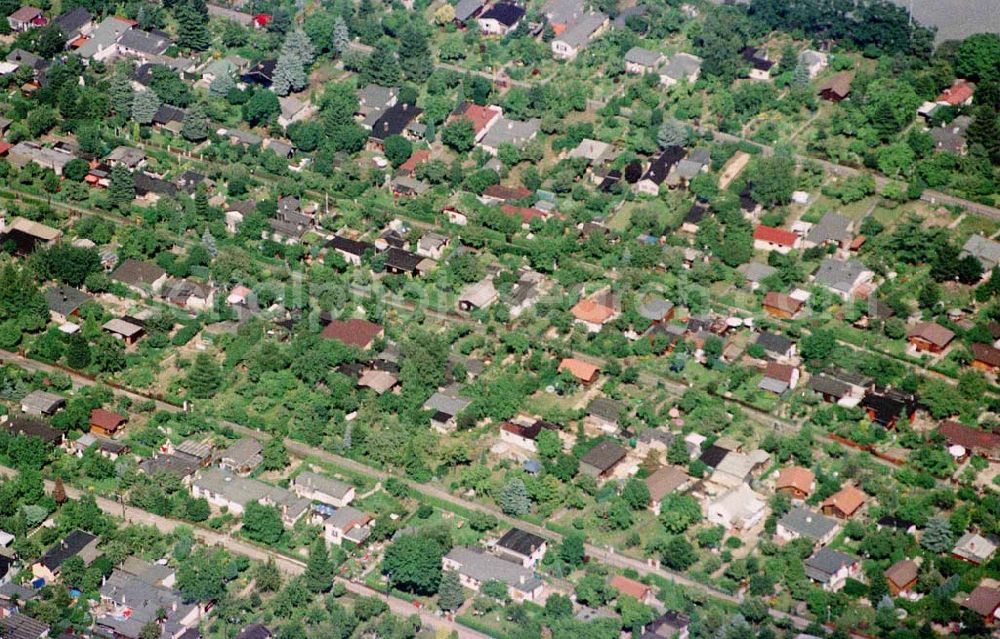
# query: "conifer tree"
[341,37]
[121,191]
[204,378]
[144,106]
[192,25]
[319,568]
[196,124]
[121,94]
[937,536]
[451,596]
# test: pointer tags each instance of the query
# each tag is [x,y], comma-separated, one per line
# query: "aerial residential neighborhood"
[512,319]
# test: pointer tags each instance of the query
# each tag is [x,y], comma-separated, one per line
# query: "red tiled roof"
[501,192]
[629,587]
[480,116]
[584,371]
[983,600]
[780,237]
[795,477]
[525,214]
[4,147]
[957,93]
[783,372]
[968,437]
[419,157]
[353,332]
[587,310]
[847,500]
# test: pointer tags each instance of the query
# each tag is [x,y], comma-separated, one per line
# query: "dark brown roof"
[782,302]
[932,332]
[839,85]
[353,332]
[604,456]
[967,437]
[33,428]
[986,354]
[983,600]
[136,273]
[902,572]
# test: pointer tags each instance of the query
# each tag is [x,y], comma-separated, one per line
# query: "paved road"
[288,565]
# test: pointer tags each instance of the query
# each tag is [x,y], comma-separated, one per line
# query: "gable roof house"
[886,406]
[522,547]
[659,169]
[603,415]
[737,468]
[595,311]
[974,548]
[323,489]
[574,38]
[766,238]
[351,250]
[683,67]
[832,568]
[632,588]
[902,577]
[813,61]
[500,18]
[844,503]
[664,481]
[639,60]
[466,10]
[985,357]
[836,88]
[669,625]
[844,278]
[738,509]
[802,523]
[475,567]
[930,337]
[584,372]
[347,524]
[75,23]
[102,42]
[225,489]
[64,302]
[984,249]
[984,600]
[960,93]
[601,460]
[242,456]
[477,296]
[446,406]
[395,120]
[20,626]
[358,333]
[76,544]
[42,403]
[143,45]
[505,130]
[483,118]
[832,229]
[24,427]
[144,278]
[523,431]
[776,346]
[760,65]
[55,158]
[975,441]
[295,110]
[105,423]
[128,604]
[795,482]
[779,378]
[25,18]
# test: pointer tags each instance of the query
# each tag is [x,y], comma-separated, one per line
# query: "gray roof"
[376,97]
[644,57]
[987,251]
[808,524]
[513,131]
[604,456]
[681,66]
[127,155]
[316,482]
[839,274]
[773,385]
[562,11]
[580,31]
[242,491]
[152,574]
[833,227]
[43,401]
[145,42]
[810,57]
[18,626]
[688,169]
[194,448]
[344,517]
[774,343]
[65,299]
[447,404]
[829,386]
[144,600]
[465,8]
[484,567]
[244,452]
[607,409]
[825,563]
[105,35]
[72,21]
[756,271]
[654,307]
